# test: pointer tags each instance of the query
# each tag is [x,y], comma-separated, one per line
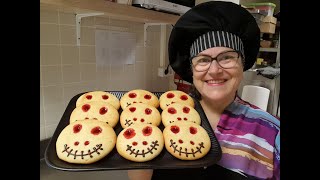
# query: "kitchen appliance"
[161,5]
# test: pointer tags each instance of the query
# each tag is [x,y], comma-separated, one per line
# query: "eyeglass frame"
[215,58]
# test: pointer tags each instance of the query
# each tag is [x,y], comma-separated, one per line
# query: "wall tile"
[50,130]
[70,91]
[53,113]
[52,95]
[71,73]
[87,21]
[140,56]
[68,34]
[101,21]
[49,34]
[49,16]
[87,54]
[70,55]
[88,72]
[50,55]
[51,75]
[87,36]
[67,18]
[42,133]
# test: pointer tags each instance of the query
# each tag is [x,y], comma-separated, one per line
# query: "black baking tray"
[113,161]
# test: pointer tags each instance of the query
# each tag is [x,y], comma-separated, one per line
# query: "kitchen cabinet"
[110,9]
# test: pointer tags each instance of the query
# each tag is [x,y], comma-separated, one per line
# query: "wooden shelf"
[269,50]
[110,9]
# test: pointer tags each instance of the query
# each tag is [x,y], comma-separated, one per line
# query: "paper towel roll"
[256,95]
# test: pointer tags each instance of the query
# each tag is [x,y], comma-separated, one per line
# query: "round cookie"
[175,96]
[139,96]
[179,112]
[85,141]
[186,140]
[99,96]
[101,111]
[140,113]
[140,142]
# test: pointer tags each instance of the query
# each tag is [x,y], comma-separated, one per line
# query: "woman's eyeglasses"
[225,60]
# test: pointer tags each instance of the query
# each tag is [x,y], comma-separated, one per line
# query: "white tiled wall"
[67,69]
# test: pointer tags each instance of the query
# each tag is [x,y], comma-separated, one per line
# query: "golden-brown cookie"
[85,141]
[98,110]
[140,142]
[99,96]
[179,112]
[139,96]
[186,140]
[175,96]
[140,113]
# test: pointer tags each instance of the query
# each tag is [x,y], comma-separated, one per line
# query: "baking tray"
[113,161]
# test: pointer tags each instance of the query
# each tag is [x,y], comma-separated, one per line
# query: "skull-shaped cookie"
[175,96]
[85,141]
[99,96]
[139,96]
[186,140]
[140,142]
[179,112]
[101,111]
[140,113]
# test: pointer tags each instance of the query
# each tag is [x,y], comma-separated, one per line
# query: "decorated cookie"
[140,113]
[140,142]
[186,140]
[99,96]
[179,112]
[85,141]
[139,96]
[175,96]
[97,110]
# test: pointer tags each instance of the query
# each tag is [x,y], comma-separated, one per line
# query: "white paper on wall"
[115,48]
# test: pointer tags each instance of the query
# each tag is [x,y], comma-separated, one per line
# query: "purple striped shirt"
[250,140]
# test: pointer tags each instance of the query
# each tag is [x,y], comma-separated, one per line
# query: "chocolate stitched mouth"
[143,153]
[75,155]
[175,148]
[128,122]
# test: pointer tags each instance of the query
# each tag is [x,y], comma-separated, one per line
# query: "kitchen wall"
[67,69]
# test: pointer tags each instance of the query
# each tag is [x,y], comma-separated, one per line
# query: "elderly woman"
[210,46]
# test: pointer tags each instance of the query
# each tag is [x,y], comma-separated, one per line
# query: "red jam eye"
[172,110]
[147,131]
[142,120]
[191,142]
[193,130]
[103,110]
[179,118]
[85,107]
[184,97]
[175,129]
[170,95]
[105,97]
[185,119]
[86,143]
[134,119]
[132,95]
[147,96]
[76,143]
[186,110]
[89,97]
[96,130]
[148,111]
[129,133]
[77,128]
[134,143]
[132,109]
[180,141]
[145,143]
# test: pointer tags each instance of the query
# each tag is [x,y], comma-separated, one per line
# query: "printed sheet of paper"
[115,48]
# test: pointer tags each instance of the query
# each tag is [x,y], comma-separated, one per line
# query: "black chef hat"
[212,24]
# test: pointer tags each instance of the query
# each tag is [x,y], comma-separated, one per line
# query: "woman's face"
[217,83]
